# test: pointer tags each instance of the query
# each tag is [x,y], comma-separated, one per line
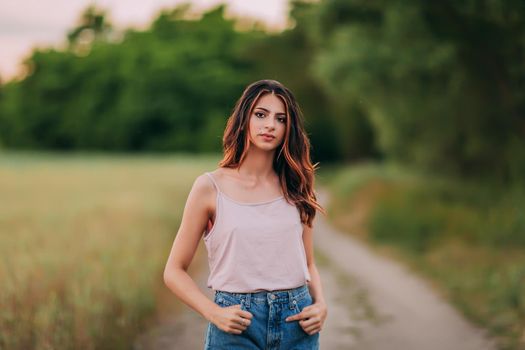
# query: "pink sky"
[25,24]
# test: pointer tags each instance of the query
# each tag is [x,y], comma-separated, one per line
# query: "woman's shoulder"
[202,193]
[203,185]
[206,181]
[221,174]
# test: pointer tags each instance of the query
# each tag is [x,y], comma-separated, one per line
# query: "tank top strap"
[214,182]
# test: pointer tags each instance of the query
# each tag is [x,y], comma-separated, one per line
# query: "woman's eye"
[262,115]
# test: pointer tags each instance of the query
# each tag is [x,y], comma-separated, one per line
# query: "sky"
[25,24]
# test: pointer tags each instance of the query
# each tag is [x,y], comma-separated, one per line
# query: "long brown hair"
[292,163]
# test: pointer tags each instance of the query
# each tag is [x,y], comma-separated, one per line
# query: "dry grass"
[83,242]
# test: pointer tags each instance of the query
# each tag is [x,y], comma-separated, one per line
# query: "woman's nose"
[270,122]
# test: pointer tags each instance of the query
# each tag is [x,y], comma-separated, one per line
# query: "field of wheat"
[83,243]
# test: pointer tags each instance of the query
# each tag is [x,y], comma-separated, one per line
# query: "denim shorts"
[268,329]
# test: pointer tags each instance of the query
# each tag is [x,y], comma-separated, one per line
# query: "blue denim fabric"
[268,329]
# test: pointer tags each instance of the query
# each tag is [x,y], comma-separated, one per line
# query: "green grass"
[83,243]
[467,237]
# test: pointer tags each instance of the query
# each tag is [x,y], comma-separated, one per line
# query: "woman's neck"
[257,164]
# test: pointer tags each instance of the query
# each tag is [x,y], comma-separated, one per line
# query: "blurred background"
[109,110]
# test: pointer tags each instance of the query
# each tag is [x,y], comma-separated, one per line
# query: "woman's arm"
[193,224]
[312,317]
[315,287]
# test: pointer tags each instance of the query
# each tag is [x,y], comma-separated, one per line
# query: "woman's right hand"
[231,319]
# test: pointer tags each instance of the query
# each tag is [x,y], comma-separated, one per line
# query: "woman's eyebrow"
[264,109]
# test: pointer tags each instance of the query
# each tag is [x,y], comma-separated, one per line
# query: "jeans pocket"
[225,299]
[302,302]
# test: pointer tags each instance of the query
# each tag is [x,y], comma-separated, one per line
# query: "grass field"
[83,242]
[84,239]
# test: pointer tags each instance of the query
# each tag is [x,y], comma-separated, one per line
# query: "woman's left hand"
[311,318]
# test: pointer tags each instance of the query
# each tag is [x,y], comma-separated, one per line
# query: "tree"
[439,81]
[93,26]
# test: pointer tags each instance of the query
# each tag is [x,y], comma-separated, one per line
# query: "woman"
[256,212]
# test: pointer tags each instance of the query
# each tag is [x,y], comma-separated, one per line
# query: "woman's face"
[267,124]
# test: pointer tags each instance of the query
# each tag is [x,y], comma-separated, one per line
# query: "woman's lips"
[267,137]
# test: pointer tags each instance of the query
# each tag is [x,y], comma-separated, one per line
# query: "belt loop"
[290,300]
[247,300]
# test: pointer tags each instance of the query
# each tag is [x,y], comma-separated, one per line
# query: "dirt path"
[382,304]
[373,303]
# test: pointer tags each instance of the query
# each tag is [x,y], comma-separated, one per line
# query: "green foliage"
[418,214]
[162,89]
[288,57]
[338,129]
[408,219]
[170,87]
[439,81]
[432,85]
[93,27]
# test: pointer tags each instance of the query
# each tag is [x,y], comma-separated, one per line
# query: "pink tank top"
[255,246]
